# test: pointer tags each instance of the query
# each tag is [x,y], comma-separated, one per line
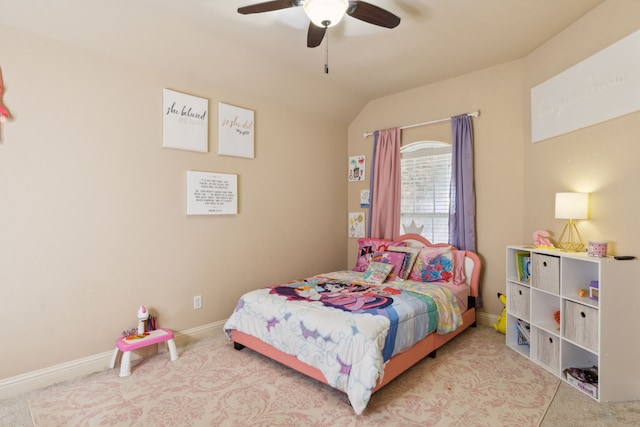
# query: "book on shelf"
[524,332]
[523,266]
[585,379]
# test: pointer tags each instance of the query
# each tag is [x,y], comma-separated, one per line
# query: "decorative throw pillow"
[459,278]
[398,261]
[377,273]
[413,254]
[433,265]
[368,246]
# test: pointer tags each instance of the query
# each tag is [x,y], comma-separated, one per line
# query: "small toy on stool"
[143,315]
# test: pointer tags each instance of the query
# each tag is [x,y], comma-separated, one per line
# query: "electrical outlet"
[197,302]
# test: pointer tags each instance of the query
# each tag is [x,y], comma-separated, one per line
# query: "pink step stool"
[126,346]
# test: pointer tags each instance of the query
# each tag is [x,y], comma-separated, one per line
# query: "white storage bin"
[545,273]
[548,350]
[581,325]
[519,301]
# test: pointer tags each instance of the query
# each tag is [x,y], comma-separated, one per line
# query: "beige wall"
[600,159]
[92,208]
[497,93]
[516,180]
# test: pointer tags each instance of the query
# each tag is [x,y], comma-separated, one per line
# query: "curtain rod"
[474,114]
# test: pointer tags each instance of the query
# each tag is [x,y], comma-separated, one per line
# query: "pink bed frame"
[401,361]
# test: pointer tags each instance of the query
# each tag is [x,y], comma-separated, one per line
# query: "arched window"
[426,175]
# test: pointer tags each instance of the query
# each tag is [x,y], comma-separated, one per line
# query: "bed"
[356,330]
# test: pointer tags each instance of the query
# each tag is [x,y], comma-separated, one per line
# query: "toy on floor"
[541,237]
[501,323]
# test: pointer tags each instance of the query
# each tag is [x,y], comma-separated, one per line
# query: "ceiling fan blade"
[315,35]
[372,14]
[267,6]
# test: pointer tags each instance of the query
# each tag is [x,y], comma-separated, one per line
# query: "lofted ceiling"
[436,39]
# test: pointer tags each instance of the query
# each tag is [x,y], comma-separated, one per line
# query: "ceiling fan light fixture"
[325,13]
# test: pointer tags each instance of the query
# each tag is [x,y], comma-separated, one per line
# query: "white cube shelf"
[590,332]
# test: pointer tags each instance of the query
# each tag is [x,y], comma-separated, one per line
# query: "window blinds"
[425,194]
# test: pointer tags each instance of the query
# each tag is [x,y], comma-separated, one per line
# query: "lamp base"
[573,242]
[571,247]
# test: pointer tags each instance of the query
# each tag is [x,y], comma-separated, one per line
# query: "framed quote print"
[185,123]
[235,131]
[212,193]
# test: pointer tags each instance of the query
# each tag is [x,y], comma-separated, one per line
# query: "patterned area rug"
[475,380]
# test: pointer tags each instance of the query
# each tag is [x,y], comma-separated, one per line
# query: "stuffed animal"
[541,237]
[501,323]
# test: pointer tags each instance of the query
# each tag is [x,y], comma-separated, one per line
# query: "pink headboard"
[472,264]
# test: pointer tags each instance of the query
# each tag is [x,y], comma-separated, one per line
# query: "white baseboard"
[486,319]
[13,386]
[199,332]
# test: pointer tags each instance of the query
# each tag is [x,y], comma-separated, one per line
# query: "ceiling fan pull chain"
[326,56]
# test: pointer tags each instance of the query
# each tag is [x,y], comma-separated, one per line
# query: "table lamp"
[571,206]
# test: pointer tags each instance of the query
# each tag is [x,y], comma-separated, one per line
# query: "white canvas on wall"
[602,87]
[356,224]
[364,198]
[212,193]
[235,131]
[185,123]
[356,168]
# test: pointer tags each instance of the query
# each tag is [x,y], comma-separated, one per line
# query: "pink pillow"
[459,278]
[398,260]
[413,254]
[367,246]
[434,264]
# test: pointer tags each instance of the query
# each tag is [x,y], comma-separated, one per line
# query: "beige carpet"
[474,381]
[571,408]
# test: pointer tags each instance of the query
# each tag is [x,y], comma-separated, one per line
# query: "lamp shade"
[572,205]
[325,13]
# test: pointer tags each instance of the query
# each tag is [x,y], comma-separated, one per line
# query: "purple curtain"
[462,209]
[384,210]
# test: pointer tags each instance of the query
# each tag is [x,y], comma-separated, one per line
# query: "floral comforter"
[344,327]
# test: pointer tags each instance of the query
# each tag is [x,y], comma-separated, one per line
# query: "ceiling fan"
[327,13]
